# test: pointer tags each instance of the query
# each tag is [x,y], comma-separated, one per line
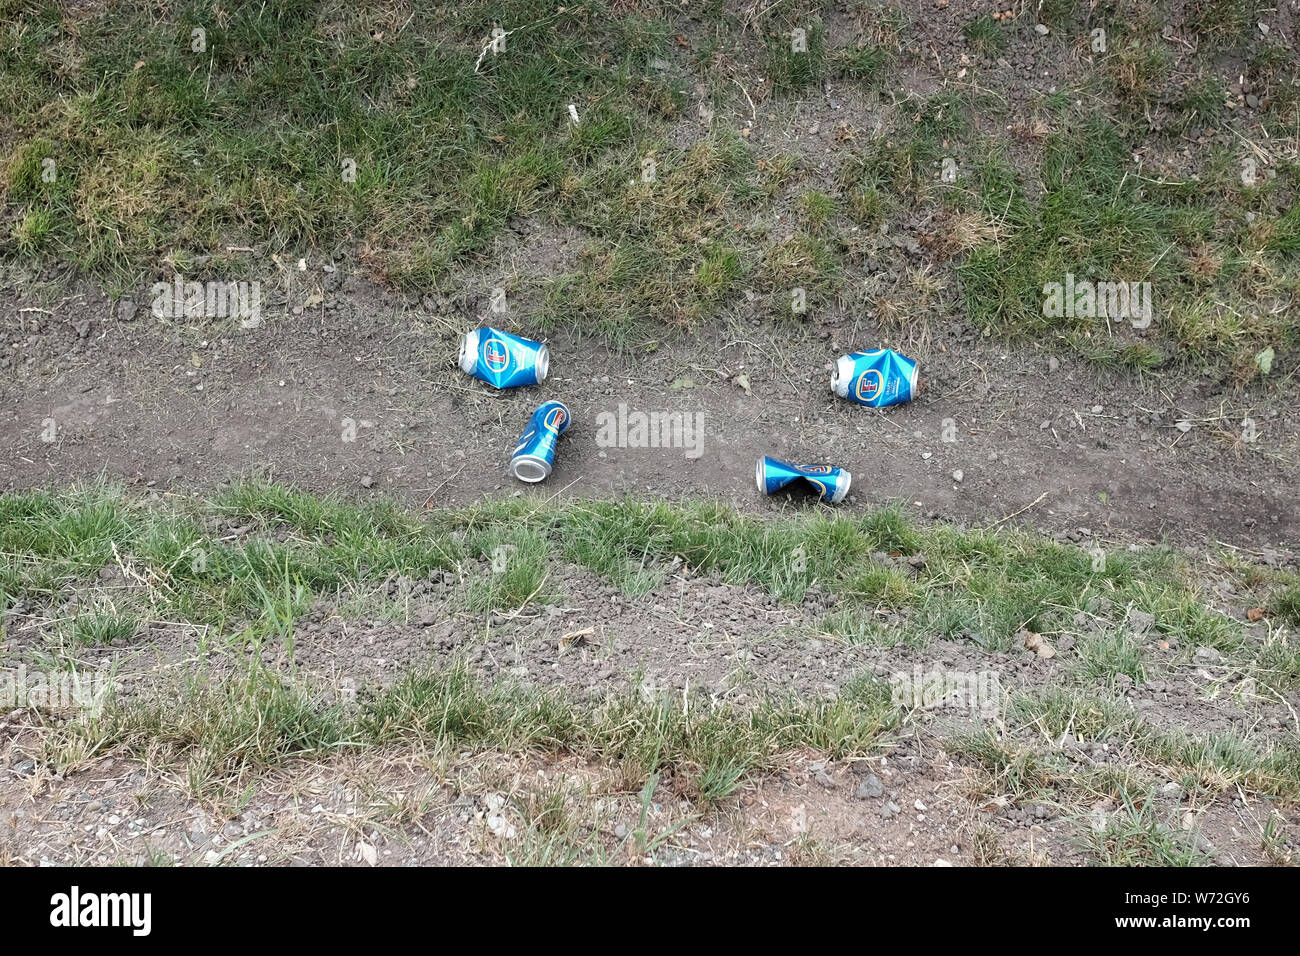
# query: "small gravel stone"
[870,787]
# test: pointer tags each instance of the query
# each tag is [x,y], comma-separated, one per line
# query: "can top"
[842,375]
[469,351]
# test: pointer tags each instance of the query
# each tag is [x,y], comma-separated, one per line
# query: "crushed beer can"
[830,483]
[879,378]
[503,360]
[534,454]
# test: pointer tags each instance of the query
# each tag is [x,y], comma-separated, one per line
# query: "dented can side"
[503,360]
[831,483]
[876,378]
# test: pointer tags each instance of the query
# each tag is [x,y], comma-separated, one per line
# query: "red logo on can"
[555,419]
[496,355]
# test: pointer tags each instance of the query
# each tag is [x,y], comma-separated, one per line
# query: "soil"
[1038,437]
[694,637]
[339,813]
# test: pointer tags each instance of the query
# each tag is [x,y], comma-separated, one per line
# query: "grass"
[1287,605]
[517,571]
[1109,801]
[103,624]
[131,155]
[865,64]
[1099,219]
[1226,23]
[670,239]
[254,722]
[270,553]
[985,36]
[1107,655]
[163,153]
[795,59]
[1137,837]
[1215,761]
[937,581]
[1136,70]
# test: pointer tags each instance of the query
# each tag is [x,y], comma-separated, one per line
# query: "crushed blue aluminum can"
[831,484]
[534,455]
[502,359]
[879,378]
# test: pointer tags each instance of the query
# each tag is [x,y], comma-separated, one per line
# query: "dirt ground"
[1037,438]
[456,812]
[346,386]
[910,801]
[416,809]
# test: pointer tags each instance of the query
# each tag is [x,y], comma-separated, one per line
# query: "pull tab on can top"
[830,483]
[503,360]
[879,378]
[534,454]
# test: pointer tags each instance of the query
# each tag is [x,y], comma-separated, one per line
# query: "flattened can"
[879,378]
[831,484]
[502,359]
[534,455]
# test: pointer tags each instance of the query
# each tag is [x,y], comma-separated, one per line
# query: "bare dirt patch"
[1038,439]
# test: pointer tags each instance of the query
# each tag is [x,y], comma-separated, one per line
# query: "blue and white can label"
[503,360]
[830,483]
[879,378]
[534,454]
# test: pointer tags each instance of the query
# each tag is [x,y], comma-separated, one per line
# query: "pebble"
[870,787]
[1140,622]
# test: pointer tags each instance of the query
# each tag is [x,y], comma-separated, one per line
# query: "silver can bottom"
[530,468]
